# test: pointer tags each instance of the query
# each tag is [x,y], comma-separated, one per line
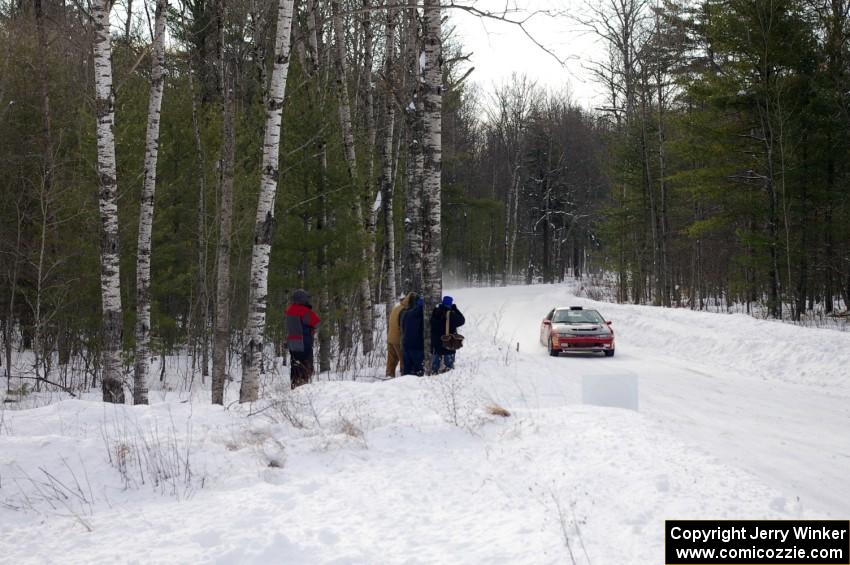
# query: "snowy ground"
[738,418]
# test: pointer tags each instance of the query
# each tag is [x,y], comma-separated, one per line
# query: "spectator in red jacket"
[301,324]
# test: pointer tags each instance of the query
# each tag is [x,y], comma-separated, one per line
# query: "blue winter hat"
[447,301]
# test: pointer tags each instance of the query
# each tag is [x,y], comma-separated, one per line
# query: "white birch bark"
[365,294]
[110,280]
[313,39]
[387,172]
[324,295]
[371,137]
[413,243]
[264,227]
[143,260]
[432,149]
[399,135]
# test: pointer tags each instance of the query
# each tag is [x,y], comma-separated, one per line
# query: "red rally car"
[575,329]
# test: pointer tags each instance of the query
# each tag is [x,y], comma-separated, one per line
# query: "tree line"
[714,172]
[731,148]
[228,152]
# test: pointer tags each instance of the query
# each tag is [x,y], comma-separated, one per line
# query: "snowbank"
[418,470]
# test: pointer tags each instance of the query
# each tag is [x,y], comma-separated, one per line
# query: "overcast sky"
[499,49]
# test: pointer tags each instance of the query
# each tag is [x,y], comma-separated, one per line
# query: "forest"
[171,171]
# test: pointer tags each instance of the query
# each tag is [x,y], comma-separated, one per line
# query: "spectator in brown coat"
[394,356]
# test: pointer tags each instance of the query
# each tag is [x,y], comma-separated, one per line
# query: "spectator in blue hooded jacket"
[446,309]
[413,338]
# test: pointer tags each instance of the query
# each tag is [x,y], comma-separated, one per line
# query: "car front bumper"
[582,343]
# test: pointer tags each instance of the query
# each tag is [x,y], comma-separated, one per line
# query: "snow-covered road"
[765,397]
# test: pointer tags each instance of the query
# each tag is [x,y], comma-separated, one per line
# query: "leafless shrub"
[147,455]
[492,323]
[594,293]
[273,375]
[570,529]
[297,407]
[48,495]
[510,350]
[349,428]
[568,524]
[498,316]
[301,409]
[452,396]
[289,409]
[593,289]
[354,421]
[270,450]
[16,394]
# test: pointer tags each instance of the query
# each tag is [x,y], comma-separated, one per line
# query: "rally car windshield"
[577,317]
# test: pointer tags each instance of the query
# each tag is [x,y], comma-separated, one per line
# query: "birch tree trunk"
[324,295]
[413,250]
[143,261]
[399,136]
[110,280]
[364,292]
[387,172]
[414,247]
[264,227]
[371,137]
[432,146]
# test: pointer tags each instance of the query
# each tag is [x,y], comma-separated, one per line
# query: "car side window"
[550,314]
